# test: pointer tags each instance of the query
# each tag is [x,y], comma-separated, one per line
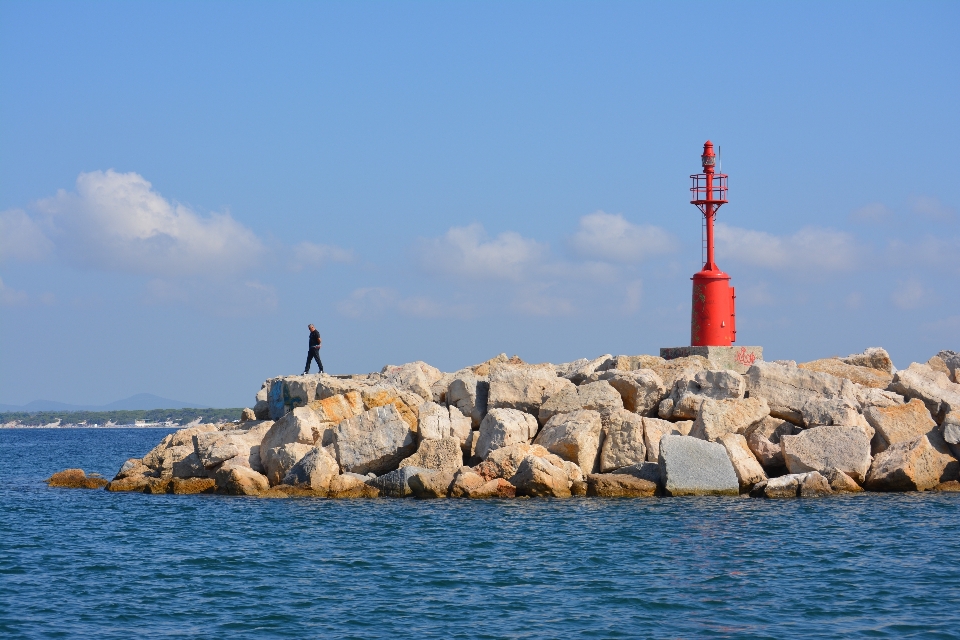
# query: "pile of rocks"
[611,426]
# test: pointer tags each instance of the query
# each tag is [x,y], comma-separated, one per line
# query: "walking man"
[314,351]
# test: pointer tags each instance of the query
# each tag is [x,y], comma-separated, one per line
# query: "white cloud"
[909,294]
[116,221]
[872,213]
[10,297]
[467,251]
[225,297]
[537,304]
[21,238]
[371,302]
[932,208]
[308,254]
[937,252]
[809,249]
[611,238]
[758,294]
[634,294]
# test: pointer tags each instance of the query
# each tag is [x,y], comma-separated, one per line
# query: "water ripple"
[95,564]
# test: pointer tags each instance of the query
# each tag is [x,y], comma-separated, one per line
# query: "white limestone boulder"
[598,396]
[567,401]
[899,423]
[719,417]
[374,441]
[351,485]
[443,454]
[655,428]
[396,483]
[301,425]
[601,397]
[314,471]
[406,403]
[586,368]
[913,465]
[645,471]
[240,480]
[934,388]
[261,407]
[861,375]
[523,387]
[820,412]
[622,442]
[846,448]
[536,477]
[640,391]
[469,392]
[239,446]
[416,377]
[689,393]
[745,464]
[795,485]
[575,437]
[278,461]
[788,389]
[438,421]
[338,407]
[872,358]
[504,462]
[566,368]
[182,458]
[502,428]
[763,438]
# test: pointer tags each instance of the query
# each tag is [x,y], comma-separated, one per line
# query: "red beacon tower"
[713,322]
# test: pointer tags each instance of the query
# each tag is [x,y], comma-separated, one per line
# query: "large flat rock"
[846,448]
[693,467]
[787,389]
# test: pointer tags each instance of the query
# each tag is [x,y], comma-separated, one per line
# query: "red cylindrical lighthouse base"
[714,313]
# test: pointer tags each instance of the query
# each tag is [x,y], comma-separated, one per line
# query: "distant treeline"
[176,416]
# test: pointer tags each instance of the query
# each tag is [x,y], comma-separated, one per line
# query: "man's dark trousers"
[313,353]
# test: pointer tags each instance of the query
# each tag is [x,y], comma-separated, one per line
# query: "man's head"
[311,327]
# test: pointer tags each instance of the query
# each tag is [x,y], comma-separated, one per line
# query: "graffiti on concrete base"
[745,357]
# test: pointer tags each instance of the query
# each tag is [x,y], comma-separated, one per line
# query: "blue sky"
[184,186]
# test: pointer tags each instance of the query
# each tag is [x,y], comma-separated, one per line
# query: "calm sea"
[90,564]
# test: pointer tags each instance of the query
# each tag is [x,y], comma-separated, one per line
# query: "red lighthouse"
[713,322]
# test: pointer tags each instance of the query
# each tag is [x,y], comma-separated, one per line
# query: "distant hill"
[139,402]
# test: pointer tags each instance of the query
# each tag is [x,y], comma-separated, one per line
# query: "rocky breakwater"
[614,426]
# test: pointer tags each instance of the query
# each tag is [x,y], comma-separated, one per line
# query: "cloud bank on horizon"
[116,222]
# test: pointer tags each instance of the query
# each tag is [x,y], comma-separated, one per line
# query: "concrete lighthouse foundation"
[737,358]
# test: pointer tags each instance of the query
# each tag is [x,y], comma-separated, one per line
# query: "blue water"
[80,563]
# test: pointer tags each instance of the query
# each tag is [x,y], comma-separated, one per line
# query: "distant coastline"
[146,418]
